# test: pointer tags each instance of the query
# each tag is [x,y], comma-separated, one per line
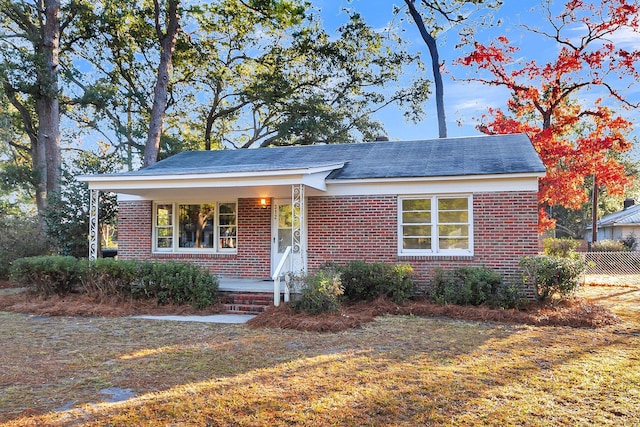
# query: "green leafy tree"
[285,80]
[244,73]
[35,39]
[67,215]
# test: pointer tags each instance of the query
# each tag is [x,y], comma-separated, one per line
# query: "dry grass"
[395,370]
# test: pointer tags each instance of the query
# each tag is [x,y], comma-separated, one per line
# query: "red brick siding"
[253,258]
[134,230]
[342,229]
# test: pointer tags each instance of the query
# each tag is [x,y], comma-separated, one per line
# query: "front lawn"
[396,370]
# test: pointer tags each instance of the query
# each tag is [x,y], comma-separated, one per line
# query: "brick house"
[431,203]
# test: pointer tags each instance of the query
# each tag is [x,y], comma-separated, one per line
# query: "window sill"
[439,257]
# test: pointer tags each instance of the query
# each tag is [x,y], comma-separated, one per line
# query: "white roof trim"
[314,177]
[437,178]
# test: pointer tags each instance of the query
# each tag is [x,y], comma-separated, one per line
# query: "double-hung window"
[206,227]
[435,225]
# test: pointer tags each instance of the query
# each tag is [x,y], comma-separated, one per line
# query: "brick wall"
[253,258]
[343,229]
[134,230]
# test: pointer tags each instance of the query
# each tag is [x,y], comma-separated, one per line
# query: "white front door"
[281,230]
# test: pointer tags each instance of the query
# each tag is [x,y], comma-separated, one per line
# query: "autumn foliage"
[576,138]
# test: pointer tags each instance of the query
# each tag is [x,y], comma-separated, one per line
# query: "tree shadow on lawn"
[394,371]
[389,370]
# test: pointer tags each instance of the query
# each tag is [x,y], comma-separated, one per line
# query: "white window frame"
[176,232]
[435,237]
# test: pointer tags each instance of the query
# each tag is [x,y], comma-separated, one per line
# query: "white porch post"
[93,224]
[298,235]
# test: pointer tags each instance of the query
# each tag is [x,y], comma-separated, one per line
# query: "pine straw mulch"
[577,312]
[89,306]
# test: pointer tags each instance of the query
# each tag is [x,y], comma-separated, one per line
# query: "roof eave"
[474,177]
[312,177]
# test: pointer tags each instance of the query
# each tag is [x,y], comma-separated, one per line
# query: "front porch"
[237,285]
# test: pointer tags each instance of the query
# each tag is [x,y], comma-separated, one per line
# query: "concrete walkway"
[214,318]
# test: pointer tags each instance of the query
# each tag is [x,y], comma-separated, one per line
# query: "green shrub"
[564,248]
[473,286]
[181,283]
[48,275]
[367,281]
[20,238]
[507,295]
[109,276]
[609,246]
[399,284]
[320,294]
[552,275]
[167,283]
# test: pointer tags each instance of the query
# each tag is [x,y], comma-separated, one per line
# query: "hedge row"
[167,282]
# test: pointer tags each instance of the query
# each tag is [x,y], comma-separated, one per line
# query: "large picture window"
[182,227]
[435,225]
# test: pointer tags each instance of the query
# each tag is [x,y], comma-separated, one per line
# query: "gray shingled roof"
[480,155]
[628,216]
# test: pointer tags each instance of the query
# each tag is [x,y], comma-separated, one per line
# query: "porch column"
[299,232]
[94,200]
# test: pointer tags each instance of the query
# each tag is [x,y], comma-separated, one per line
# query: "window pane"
[453,230]
[416,204]
[453,243]
[165,242]
[453,204]
[164,215]
[454,216]
[416,243]
[416,217]
[285,219]
[196,226]
[227,208]
[165,232]
[227,242]
[227,226]
[416,230]
[284,238]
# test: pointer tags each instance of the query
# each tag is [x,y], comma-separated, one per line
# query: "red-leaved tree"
[578,139]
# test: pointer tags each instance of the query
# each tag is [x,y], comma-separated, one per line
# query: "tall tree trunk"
[435,67]
[46,155]
[49,107]
[167,47]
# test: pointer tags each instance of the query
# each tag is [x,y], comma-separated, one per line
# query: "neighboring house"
[432,203]
[618,225]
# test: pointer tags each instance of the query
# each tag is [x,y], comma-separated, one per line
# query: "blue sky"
[464,102]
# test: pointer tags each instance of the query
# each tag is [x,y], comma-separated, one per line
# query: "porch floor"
[233,284]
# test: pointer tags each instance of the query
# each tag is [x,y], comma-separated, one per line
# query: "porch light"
[263,203]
